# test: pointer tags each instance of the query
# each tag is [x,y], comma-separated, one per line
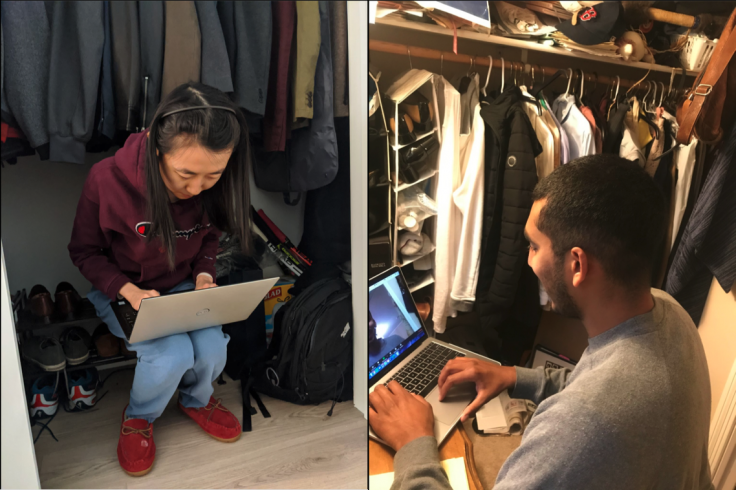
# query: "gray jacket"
[77,40]
[215,70]
[151,25]
[253,27]
[26,70]
[126,62]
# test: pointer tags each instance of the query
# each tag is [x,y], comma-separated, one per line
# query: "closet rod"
[480,60]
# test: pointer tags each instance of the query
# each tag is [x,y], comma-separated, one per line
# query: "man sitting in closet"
[635,411]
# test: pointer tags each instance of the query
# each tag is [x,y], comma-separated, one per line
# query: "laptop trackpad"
[449,409]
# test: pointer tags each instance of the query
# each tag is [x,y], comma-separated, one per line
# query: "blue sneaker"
[81,387]
[44,396]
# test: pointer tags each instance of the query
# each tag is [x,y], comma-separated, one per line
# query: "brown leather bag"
[711,103]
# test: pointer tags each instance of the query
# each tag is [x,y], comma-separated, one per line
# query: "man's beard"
[562,302]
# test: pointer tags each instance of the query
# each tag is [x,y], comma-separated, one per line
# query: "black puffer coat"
[511,146]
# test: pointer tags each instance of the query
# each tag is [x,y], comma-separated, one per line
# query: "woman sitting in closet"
[148,221]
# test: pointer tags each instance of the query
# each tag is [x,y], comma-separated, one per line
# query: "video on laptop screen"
[392,329]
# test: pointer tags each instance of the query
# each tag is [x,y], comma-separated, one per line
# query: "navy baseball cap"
[596,24]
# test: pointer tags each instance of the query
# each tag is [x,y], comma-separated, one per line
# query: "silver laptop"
[400,348]
[185,311]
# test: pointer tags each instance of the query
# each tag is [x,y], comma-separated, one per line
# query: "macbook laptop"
[185,311]
[400,348]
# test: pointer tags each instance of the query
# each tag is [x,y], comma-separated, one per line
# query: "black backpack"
[310,357]
[246,350]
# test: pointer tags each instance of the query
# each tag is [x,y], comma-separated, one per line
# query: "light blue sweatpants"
[189,361]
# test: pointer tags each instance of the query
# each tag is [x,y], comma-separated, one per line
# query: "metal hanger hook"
[408,51]
[582,83]
[503,73]
[618,85]
[442,62]
[569,80]
[661,95]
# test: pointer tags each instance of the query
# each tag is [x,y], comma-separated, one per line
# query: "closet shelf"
[420,136]
[87,315]
[522,44]
[31,370]
[423,176]
[414,259]
[423,283]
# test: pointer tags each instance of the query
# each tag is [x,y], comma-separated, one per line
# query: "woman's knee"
[174,353]
[210,345]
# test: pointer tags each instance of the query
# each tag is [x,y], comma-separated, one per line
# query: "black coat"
[511,146]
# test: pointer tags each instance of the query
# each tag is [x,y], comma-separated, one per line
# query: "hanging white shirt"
[468,199]
[684,157]
[448,215]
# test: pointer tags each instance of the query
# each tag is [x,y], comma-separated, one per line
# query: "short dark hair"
[611,208]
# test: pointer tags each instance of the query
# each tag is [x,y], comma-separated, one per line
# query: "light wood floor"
[298,447]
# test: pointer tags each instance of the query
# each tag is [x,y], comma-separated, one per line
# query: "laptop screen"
[393,323]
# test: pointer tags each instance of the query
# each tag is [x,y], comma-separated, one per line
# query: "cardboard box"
[276,298]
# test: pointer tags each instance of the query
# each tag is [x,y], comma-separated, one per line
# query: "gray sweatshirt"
[634,413]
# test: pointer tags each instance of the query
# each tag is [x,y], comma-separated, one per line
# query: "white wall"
[39,201]
[18,456]
[358,49]
[717,330]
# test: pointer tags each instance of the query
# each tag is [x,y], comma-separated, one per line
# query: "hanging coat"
[314,149]
[708,244]
[215,69]
[310,159]
[27,45]
[183,46]
[152,27]
[510,177]
[77,39]
[126,53]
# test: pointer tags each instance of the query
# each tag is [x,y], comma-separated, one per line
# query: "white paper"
[455,469]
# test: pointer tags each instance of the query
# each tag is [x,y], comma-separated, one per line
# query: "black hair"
[227,203]
[609,207]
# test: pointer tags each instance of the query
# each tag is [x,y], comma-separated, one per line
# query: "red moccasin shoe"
[136,449]
[216,420]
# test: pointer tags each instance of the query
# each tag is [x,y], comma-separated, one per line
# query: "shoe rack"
[85,316]
[423,82]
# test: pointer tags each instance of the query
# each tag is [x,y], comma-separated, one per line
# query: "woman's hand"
[204,281]
[135,295]
[490,379]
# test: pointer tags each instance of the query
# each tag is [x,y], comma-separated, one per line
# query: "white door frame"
[358,82]
[19,469]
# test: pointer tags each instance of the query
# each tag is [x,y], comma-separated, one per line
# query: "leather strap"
[705,85]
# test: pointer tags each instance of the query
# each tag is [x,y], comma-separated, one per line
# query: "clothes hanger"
[488,76]
[569,79]
[646,115]
[465,81]
[661,95]
[557,75]
[409,53]
[503,73]
[531,78]
[442,61]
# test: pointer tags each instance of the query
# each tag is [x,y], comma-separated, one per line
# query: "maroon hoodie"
[108,240]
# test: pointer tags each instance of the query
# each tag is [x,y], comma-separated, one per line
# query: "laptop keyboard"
[420,376]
